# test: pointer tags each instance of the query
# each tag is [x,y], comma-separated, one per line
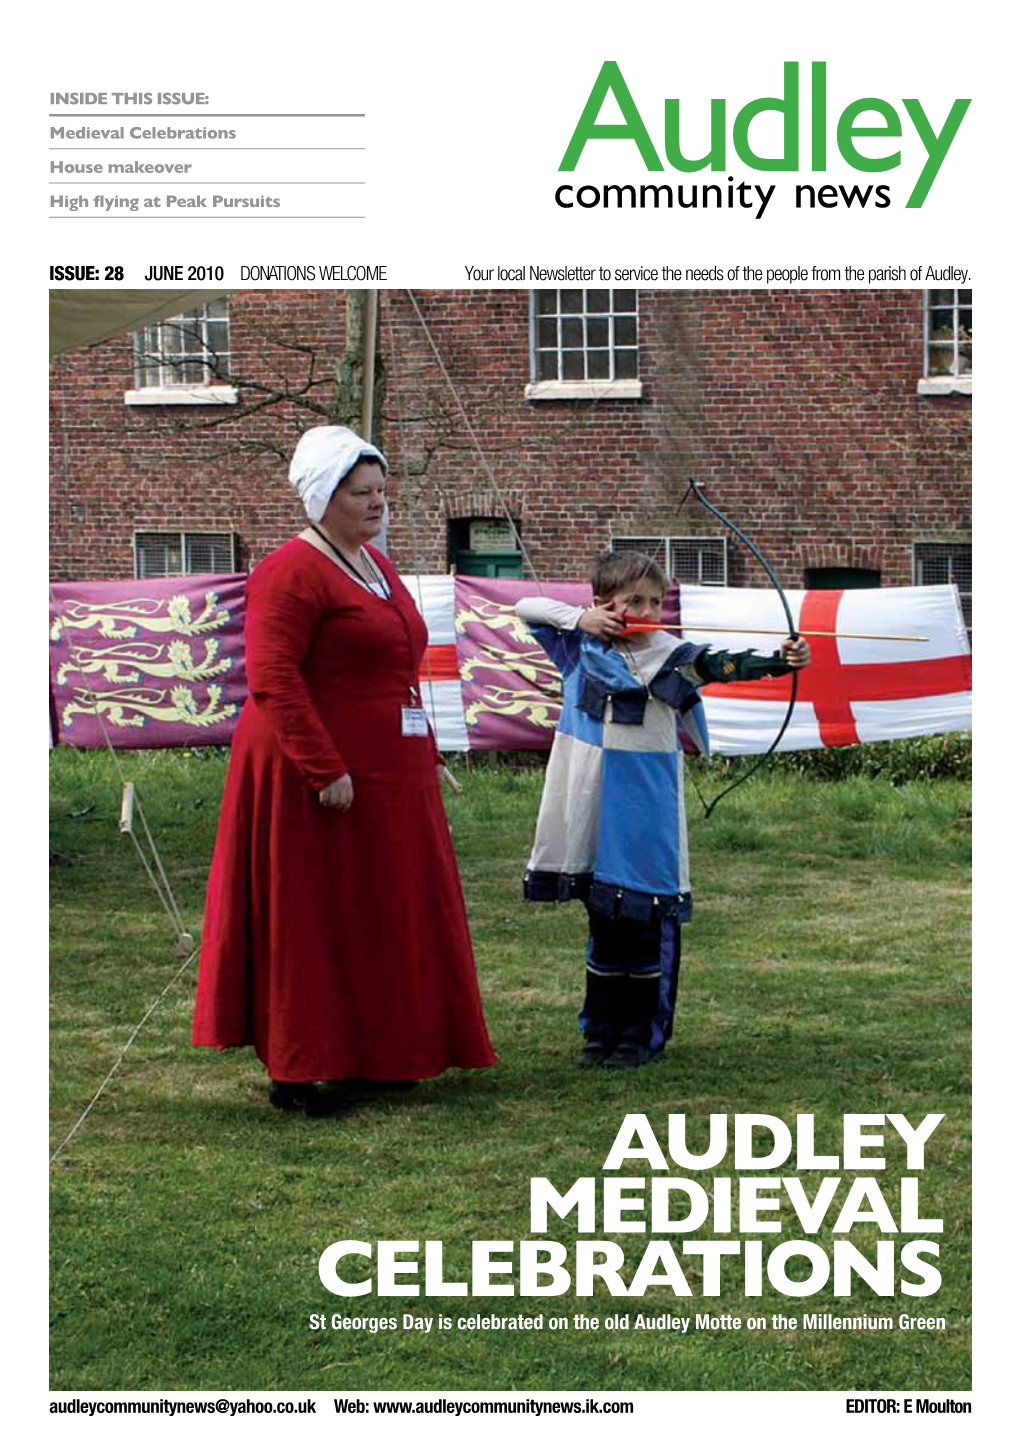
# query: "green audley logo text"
[868,117]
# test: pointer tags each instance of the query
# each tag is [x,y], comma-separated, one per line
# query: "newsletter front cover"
[510,614]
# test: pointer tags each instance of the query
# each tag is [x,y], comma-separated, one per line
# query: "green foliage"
[917,758]
[826,971]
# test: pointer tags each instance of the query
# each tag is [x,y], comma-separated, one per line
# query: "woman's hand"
[600,621]
[338,795]
[795,653]
[446,777]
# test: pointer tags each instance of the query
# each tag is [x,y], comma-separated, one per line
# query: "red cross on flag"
[855,689]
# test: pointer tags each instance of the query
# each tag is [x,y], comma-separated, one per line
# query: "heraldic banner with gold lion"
[161,663]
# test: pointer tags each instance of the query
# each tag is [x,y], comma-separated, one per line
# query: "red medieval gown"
[335,943]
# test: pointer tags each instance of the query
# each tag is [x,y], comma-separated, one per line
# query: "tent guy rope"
[185,943]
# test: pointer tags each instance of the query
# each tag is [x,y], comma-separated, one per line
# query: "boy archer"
[611,826]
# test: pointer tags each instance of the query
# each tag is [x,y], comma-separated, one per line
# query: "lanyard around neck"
[376,578]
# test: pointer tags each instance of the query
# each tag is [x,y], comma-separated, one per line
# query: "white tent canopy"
[85,317]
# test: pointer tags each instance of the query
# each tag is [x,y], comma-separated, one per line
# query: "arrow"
[630,626]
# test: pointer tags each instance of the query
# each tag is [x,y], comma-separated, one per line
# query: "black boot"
[290,1096]
[328,1099]
[325,1100]
[634,1047]
[602,1018]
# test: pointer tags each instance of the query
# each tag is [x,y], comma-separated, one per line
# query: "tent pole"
[368,369]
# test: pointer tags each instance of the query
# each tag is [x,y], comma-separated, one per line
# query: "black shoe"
[631,1054]
[290,1096]
[594,1053]
[327,1100]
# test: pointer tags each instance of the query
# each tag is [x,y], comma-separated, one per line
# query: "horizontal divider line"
[109,215]
[171,181]
[204,149]
[206,115]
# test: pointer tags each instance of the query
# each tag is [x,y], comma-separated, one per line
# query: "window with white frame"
[183,553]
[948,336]
[938,563]
[584,344]
[183,359]
[690,560]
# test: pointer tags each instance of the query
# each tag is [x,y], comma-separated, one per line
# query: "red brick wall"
[811,425]
[797,410]
[116,469]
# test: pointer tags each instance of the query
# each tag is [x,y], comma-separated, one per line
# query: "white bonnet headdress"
[323,457]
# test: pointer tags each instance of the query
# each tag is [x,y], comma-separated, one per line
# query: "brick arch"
[841,553]
[462,504]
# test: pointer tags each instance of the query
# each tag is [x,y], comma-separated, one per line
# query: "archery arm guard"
[725,666]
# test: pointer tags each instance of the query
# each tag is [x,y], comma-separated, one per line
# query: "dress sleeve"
[394,580]
[436,753]
[281,619]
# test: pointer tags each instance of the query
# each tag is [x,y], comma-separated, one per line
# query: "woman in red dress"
[335,938]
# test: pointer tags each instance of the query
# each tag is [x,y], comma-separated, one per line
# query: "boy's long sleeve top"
[611,827]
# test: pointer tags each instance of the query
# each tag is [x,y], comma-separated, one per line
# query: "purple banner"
[511,690]
[147,663]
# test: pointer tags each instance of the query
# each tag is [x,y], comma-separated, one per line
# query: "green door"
[488,563]
[484,546]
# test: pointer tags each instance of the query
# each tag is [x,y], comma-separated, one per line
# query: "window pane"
[941,297]
[941,325]
[547,333]
[961,570]
[626,330]
[941,360]
[573,365]
[625,300]
[205,552]
[573,332]
[933,570]
[598,365]
[571,300]
[546,302]
[216,337]
[943,563]
[626,364]
[547,368]
[157,555]
[598,301]
[963,296]
[657,547]
[965,324]
[964,360]
[712,569]
[598,332]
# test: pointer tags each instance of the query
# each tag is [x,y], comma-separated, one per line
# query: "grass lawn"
[827,971]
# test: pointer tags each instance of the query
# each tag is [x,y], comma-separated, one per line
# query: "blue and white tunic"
[612,830]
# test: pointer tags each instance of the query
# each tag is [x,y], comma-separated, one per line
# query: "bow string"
[695,490]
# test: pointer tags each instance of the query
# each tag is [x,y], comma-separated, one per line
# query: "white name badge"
[413,721]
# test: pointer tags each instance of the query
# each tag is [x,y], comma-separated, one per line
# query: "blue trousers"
[631,974]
